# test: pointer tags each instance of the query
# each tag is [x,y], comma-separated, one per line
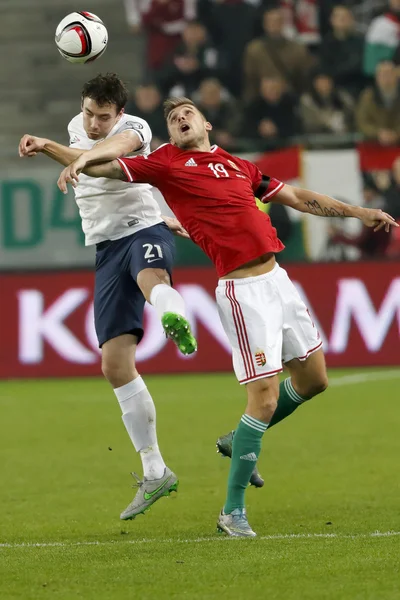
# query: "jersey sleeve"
[270,189]
[147,169]
[264,187]
[74,131]
[138,126]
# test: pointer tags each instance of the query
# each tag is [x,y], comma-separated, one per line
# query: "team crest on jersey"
[134,125]
[233,165]
[260,358]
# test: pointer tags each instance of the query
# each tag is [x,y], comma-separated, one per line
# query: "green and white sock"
[288,401]
[246,448]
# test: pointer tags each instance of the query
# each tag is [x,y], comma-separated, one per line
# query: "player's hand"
[71,174]
[30,145]
[376,218]
[176,228]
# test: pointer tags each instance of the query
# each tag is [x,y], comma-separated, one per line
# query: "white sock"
[165,299]
[139,417]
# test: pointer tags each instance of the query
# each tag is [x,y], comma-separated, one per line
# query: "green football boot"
[149,492]
[224,447]
[235,524]
[177,328]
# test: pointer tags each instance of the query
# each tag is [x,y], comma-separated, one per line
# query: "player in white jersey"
[134,256]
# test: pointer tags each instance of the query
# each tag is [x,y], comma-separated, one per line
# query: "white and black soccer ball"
[81,37]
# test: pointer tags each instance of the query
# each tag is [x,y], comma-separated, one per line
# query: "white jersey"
[112,209]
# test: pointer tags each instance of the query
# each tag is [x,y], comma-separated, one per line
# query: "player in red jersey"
[212,194]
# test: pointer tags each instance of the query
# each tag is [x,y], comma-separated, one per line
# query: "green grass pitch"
[332,481]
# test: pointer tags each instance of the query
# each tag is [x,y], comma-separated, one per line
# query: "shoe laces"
[241,517]
[138,482]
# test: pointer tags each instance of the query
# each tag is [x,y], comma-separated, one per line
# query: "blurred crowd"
[268,71]
[381,189]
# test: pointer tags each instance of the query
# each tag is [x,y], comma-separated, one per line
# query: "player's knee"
[263,397]
[117,373]
[266,406]
[269,404]
[317,385]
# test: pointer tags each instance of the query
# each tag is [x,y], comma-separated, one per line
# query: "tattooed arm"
[325,206]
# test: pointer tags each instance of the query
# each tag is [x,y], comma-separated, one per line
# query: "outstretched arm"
[118,145]
[325,206]
[111,170]
[31,145]
[152,168]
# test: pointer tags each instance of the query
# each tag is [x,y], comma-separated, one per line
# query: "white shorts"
[266,322]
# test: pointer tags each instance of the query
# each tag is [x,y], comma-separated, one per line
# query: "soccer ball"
[81,37]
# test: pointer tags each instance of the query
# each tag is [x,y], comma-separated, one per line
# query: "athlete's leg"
[138,410]
[139,417]
[301,351]
[307,379]
[303,358]
[309,376]
[150,263]
[262,396]
[118,312]
[155,285]
[251,314]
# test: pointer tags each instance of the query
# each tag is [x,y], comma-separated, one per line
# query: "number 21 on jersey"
[218,169]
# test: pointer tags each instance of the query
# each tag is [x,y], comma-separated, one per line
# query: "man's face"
[271,89]
[210,94]
[194,34]
[342,20]
[187,127]
[99,120]
[394,6]
[273,23]
[147,98]
[323,85]
[386,76]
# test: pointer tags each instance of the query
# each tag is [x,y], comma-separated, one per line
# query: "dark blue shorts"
[118,301]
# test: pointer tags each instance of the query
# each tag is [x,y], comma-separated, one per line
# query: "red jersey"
[212,195]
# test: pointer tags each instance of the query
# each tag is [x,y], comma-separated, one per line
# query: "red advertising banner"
[46,320]
[373,156]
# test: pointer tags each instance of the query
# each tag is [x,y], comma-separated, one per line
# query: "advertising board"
[46,320]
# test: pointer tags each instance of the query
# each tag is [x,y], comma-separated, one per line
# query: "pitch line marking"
[363,377]
[283,536]
[334,382]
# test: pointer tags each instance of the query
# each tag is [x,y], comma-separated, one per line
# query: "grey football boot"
[224,447]
[150,490]
[235,524]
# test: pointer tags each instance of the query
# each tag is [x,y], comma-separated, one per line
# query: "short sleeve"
[139,126]
[147,169]
[264,187]
[74,132]
[274,185]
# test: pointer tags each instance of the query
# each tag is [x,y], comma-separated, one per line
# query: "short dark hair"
[106,89]
[171,103]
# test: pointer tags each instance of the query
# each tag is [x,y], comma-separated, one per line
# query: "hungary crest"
[260,358]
